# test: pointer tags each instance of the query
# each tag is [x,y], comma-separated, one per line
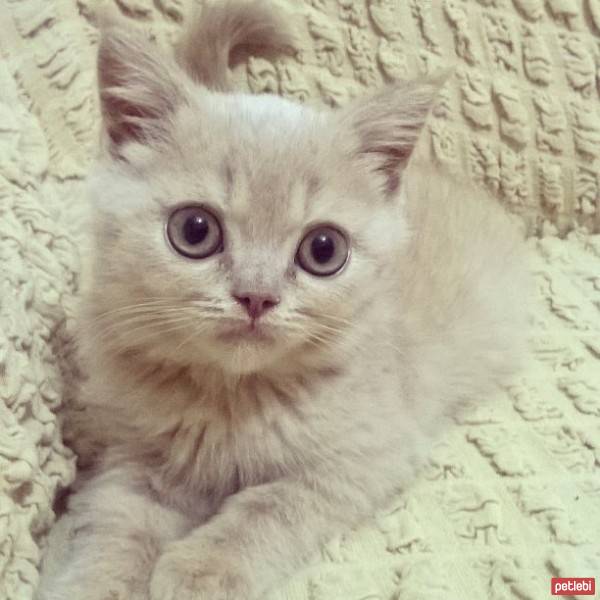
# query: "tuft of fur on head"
[226,27]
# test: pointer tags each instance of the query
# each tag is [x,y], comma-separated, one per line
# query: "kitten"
[283,314]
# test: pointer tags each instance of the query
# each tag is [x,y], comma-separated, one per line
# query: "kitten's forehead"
[273,162]
[269,203]
[270,167]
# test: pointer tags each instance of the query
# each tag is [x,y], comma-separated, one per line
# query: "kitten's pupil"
[322,248]
[195,229]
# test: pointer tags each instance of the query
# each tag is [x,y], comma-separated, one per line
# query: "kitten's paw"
[187,573]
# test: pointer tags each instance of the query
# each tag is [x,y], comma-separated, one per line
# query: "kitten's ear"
[139,87]
[386,126]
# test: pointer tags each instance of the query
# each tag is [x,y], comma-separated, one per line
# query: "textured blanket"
[511,496]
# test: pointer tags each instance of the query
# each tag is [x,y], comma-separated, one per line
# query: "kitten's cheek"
[192,571]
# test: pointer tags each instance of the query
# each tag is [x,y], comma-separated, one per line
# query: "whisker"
[151,333]
[324,317]
[186,341]
[154,305]
[129,319]
[140,322]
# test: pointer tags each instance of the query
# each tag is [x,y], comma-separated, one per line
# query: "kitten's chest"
[215,449]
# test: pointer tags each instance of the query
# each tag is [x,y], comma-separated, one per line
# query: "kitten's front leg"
[117,534]
[261,535]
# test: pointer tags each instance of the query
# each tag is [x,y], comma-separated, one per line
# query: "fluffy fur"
[226,461]
[226,30]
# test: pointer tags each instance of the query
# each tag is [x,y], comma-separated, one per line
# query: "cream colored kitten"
[283,315]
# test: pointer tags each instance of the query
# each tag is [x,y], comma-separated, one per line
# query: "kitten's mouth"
[247,331]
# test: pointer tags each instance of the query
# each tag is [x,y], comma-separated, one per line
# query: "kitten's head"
[243,231]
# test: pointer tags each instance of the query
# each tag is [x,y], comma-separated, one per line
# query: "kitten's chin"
[243,357]
[243,349]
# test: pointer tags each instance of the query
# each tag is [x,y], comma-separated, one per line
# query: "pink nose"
[256,304]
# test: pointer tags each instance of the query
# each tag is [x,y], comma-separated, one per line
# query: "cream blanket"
[511,497]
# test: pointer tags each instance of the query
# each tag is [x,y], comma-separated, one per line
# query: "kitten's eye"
[323,251]
[194,232]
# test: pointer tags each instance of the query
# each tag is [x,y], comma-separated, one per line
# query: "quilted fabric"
[38,277]
[511,496]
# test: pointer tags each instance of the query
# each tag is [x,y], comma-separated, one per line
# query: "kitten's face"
[249,199]
[203,203]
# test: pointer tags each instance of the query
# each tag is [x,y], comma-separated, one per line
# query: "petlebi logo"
[568,586]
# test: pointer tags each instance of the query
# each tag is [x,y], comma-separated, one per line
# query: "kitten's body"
[227,459]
